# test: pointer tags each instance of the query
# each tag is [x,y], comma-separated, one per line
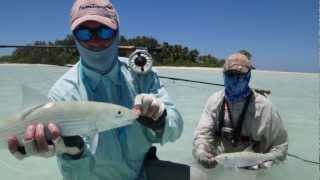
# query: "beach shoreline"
[25,64]
[188,68]
[168,67]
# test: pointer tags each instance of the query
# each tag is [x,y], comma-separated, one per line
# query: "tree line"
[169,55]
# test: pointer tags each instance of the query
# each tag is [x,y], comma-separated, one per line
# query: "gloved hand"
[151,110]
[264,165]
[36,143]
[205,157]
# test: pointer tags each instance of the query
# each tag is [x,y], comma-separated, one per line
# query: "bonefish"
[72,118]
[242,159]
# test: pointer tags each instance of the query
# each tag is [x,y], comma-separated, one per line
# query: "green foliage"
[56,56]
[5,59]
[173,55]
[169,55]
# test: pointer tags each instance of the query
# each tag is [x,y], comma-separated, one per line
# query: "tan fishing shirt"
[262,128]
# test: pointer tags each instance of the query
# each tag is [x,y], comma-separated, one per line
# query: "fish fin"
[31,97]
[94,138]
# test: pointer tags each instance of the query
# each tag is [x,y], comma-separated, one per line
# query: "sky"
[280,34]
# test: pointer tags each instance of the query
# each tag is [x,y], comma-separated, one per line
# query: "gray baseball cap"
[237,62]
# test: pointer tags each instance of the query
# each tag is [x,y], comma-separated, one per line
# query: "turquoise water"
[295,95]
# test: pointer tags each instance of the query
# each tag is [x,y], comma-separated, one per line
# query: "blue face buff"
[99,61]
[237,86]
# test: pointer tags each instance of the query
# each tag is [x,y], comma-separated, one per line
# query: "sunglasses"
[235,74]
[86,34]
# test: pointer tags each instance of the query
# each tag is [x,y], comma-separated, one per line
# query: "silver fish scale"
[72,117]
[242,159]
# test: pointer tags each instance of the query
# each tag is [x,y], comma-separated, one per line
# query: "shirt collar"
[94,77]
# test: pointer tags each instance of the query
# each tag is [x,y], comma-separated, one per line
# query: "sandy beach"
[24,64]
[165,67]
[183,67]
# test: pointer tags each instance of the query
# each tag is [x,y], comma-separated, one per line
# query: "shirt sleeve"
[276,137]
[204,138]
[173,121]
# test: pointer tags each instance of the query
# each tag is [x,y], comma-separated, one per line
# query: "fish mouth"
[135,114]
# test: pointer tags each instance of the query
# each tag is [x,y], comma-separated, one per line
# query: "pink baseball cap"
[101,11]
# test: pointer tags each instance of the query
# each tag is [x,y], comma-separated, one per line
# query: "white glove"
[264,165]
[149,106]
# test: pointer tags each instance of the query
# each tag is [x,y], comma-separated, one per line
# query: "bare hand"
[37,144]
[207,160]
[205,156]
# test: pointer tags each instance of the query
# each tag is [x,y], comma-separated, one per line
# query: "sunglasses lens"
[235,75]
[105,33]
[83,34]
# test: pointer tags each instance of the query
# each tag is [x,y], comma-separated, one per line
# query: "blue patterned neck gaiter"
[237,87]
[101,61]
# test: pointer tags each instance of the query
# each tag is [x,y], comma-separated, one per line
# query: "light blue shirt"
[119,153]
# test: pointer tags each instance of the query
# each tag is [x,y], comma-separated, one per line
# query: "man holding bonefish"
[237,119]
[102,76]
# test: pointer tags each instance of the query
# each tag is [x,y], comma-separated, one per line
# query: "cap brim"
[103,20]
[238,68]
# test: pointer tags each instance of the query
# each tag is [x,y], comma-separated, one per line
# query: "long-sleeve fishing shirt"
[262,128]
[117,153]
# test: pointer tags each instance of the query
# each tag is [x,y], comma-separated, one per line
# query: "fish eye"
[119,112]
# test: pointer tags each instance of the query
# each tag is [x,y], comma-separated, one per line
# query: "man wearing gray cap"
[237,119]
[100,75]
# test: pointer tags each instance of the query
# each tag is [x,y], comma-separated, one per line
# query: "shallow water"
[295,95]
